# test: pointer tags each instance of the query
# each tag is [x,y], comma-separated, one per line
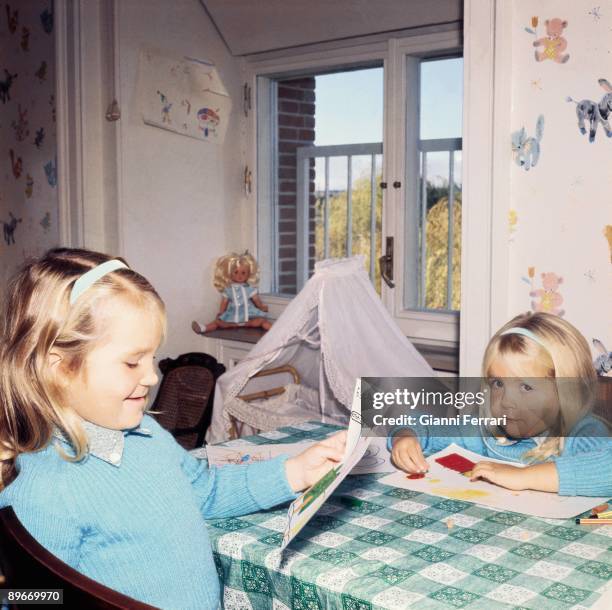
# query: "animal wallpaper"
[560,221]
[28,143]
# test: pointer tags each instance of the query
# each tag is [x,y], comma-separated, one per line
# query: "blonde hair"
[565,355]
[35,318]
[226,265]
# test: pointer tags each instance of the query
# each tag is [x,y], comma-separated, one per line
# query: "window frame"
[486,160]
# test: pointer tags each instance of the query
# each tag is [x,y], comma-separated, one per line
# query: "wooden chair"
[184,402]
[26,564]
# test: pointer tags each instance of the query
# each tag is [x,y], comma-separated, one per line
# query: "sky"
[349,110]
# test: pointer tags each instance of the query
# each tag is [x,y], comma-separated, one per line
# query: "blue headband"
[518,330]
[92,276]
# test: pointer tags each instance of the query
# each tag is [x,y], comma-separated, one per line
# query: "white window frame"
[486,164]
[424,326]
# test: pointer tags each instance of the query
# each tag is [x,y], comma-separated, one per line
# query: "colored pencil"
[596,521]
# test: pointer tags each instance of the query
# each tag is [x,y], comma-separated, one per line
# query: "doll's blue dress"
[240,308]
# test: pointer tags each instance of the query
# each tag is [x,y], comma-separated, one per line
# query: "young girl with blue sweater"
[542,381]
[92,477]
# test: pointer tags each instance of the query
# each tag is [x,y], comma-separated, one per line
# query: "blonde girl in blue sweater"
[541,379]
[92,477]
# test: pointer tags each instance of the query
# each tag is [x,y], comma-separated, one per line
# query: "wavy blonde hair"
[36,318]
[564,355]
[226,265]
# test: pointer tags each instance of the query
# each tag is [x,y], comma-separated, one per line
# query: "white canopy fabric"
[334,331]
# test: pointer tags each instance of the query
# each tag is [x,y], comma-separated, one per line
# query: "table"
[373,546]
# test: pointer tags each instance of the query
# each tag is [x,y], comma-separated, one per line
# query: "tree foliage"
[436,235]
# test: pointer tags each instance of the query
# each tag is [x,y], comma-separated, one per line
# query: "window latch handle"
[385,263]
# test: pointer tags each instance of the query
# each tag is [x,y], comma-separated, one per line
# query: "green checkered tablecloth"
[374,546]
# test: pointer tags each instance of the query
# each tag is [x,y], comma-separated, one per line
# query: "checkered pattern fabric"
[374,546]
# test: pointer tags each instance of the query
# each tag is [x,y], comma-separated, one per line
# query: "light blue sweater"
[139,527]
[584,466]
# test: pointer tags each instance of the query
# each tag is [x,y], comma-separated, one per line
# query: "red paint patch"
[456,462]
[416,475]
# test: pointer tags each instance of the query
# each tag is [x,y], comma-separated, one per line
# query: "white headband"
[92,276]
[519,330]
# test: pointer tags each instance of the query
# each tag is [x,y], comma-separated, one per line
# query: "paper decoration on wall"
[534,26]
[553,42]
[529,280]
[41,73]
[183,95]
[46,18]
[25,39]
[512,222]
[29,189]
[9,229]
[603,361]
[537,84]
[589,274]
[39,138]
[16,164]
[595,12]
[51,172]
[595,113]
[12,19]
[21,124]
[548,298]
[526,150]
[45,223]
[608,235]
[5,86]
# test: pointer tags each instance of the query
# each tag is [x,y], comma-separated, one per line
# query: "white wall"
[180,198]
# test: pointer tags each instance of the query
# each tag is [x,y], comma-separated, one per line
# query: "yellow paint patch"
[469,495]
[434,480]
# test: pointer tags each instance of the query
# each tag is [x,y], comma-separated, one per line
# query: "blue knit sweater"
[584,467]
[139,527]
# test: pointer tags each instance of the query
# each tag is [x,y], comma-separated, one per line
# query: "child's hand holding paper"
[308,467]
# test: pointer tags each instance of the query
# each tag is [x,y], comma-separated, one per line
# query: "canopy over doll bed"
[335,330]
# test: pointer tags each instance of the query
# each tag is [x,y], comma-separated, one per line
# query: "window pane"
[441,104]
[319,110]
[433,270]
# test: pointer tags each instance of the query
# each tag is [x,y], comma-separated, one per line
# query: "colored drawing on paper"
[456,462]
[416,475]
[469,495]
[166,106]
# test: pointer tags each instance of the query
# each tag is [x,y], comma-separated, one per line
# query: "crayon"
[593,521]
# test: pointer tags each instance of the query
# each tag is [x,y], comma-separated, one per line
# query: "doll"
[236,277]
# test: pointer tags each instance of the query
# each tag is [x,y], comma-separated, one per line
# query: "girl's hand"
[407,453]
[504,475]
[305,469]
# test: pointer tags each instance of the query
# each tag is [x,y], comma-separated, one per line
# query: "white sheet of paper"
[304,507]
[376,459]
[248,454]
[441,481]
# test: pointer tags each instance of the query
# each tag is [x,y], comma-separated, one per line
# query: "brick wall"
[296,128]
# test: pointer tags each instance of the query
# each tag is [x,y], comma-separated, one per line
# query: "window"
[325,188]
[433,239]
[328,155]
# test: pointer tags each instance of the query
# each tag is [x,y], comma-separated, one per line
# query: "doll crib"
[335,330]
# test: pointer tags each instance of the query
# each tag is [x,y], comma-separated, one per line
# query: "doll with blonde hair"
[236,277]
[542,384]
[88,473]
